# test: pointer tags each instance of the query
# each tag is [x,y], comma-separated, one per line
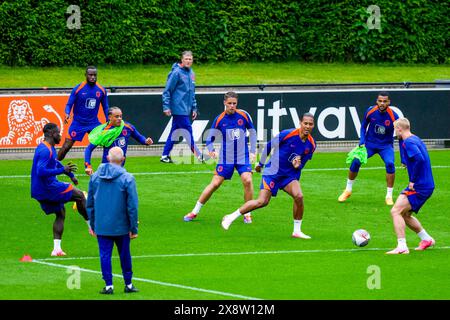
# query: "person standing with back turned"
[112,206]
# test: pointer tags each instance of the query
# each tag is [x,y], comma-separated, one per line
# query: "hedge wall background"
[34,32]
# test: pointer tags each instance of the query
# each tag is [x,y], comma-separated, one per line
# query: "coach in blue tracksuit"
[179,102]
[112,206]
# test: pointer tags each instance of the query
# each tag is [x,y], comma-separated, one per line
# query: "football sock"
[235,215]
[423,235]
[297,226]
[349,186]
[401,243]
[56,244]
[197,208]
[389,192]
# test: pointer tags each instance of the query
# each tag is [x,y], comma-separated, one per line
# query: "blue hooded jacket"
[112,203]
[179,94]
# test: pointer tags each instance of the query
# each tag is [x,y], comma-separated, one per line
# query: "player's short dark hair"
[307,114]
[230,94]
[384,94]
[49,129]
[111,109]
[90,68]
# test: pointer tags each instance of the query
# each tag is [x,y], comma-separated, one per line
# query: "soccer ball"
[360,238]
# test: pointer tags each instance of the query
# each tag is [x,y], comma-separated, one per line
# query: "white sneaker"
[300,235]
[58,253]
[226,222]
[399,251]
[389,201]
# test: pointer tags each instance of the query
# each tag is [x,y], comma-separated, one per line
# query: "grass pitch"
[227,74]
[173,259]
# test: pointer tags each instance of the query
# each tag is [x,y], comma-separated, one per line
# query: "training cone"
[26,258]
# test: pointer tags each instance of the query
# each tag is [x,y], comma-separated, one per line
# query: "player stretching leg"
[51,193]
[292,149]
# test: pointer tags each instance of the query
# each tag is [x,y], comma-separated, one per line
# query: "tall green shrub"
[35,33]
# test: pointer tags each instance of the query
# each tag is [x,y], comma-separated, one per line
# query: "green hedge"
[34,32]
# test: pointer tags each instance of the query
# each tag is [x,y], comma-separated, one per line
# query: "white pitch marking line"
[232,253]
[133,173]
[210,172]
[167,284]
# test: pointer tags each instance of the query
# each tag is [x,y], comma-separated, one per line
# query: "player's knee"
[396,211]
[216,184]
[393,211]
[356,164]
[298,198]
[390,167]
[262,202]
[78,195]
[247,182]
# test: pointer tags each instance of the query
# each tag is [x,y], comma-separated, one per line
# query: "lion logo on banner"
[22,126]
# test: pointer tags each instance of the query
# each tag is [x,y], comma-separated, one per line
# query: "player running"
[421,185]
[292,149]
[377,135]
[114,133]
[84,102]
[230,129]
[51,193]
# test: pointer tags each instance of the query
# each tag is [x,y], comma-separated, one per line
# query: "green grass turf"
[227,74]
[164,199]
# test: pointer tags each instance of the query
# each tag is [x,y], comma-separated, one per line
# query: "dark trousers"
[183,128]
[105,245]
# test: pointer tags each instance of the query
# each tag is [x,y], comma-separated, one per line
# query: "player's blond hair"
[402,123]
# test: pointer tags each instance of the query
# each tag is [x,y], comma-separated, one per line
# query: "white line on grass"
[210,171]
[167,284]
[133,173]
[234,253]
